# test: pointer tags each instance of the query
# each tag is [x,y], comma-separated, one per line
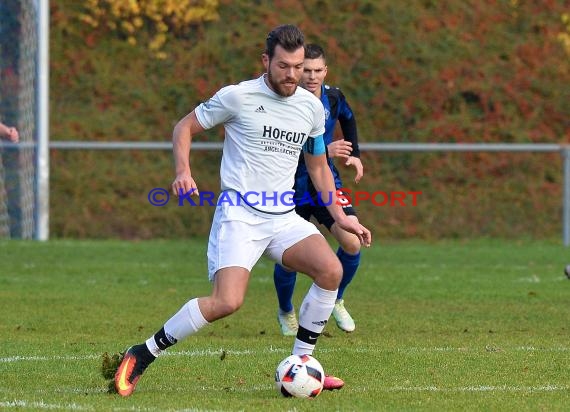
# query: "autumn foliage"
[152,19]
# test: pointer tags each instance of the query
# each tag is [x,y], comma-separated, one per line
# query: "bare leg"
[230,286]
[314,257]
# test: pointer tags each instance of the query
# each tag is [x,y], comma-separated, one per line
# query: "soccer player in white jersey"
[267,121]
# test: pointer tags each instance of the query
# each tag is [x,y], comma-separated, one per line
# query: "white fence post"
[41,231]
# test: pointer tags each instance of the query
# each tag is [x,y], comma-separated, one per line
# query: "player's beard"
[282,88]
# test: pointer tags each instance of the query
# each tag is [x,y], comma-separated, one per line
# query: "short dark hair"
[288,36]
[314,51]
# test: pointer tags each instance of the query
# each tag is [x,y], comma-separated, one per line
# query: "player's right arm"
[182,135]
[217,110]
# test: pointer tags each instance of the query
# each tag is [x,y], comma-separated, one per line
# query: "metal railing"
[564,151]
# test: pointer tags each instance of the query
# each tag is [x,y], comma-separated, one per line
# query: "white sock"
[314,313]
[152,347]
[187,321]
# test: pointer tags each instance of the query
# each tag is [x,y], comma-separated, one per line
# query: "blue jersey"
[336,108]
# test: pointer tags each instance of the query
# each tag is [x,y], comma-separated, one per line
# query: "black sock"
[141,352]
[164,340]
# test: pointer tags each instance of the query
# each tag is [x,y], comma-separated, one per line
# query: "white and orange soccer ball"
[300,376]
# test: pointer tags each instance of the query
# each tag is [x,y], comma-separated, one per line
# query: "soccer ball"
[301,376]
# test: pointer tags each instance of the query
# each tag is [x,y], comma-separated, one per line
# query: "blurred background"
[414,71]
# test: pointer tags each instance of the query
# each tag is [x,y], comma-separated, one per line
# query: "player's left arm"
[322,178]
[347,122]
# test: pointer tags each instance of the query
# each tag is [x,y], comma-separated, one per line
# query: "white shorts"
[239,236]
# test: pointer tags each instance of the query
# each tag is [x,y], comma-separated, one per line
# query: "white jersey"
[264,135]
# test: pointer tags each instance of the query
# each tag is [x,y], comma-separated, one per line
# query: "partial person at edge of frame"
[9,133]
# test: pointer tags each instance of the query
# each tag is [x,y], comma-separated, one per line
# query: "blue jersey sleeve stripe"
[315,145]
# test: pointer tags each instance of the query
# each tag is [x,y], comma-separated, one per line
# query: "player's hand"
[352,225]
[184,183]
[339,148]
[357,164]
[10,133]
[13,135]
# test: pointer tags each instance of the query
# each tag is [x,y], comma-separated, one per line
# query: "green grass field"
[449,326]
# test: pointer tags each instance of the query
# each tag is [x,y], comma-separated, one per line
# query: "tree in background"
[148,19]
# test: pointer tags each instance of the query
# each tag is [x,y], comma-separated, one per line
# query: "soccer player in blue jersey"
[268,121]
[307,202]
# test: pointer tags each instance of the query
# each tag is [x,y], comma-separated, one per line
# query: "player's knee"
[351,245]
[227,307]
[330,275]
